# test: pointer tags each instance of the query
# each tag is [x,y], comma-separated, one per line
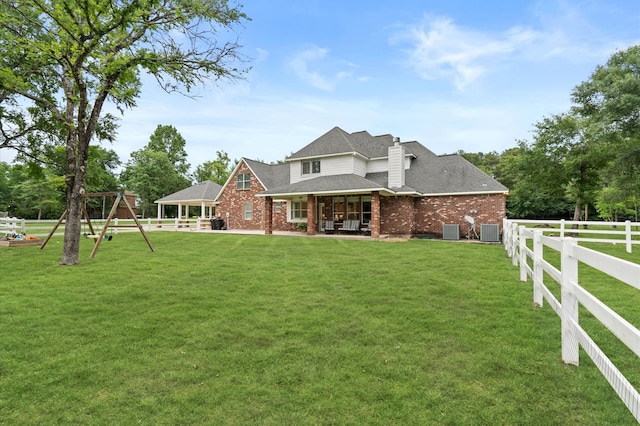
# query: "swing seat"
[96,236]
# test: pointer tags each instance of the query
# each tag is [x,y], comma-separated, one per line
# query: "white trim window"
[298,211]
[310,167]
[248,211]
[243,181]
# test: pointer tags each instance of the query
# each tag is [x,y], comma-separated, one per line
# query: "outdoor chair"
[350,225]
[328,227]
[366,229]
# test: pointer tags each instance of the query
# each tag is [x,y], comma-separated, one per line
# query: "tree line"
[33,189]
[582,163]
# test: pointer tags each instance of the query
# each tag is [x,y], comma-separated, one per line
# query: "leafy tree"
[538,188]
[36,192]
[613,203]
[5,188]
[610,99]
[101,168]
[168,139]
[151,175]
[62,60]
[612,94]
[487,162]
[217,170]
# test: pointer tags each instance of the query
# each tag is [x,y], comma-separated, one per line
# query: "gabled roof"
[204,191]
[429,174]
[269,175]
[337,141]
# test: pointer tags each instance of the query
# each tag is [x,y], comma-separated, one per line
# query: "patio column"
[311,215]
[375,215]
[203,210]
[268,216]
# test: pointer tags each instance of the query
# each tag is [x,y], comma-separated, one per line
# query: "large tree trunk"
[577,212]
[73,224]
[77,158]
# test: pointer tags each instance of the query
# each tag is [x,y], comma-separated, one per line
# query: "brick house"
[388,187]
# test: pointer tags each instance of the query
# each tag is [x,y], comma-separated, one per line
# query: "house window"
[366,209]
[310,167]
[248,211]
[298,210]
[243,181]
[338,209]
[353,208]
[278,206]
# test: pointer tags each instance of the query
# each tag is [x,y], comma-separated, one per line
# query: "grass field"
[240,329]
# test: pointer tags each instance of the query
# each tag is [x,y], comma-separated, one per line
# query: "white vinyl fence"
[42,228]
[11,225]
[517,240]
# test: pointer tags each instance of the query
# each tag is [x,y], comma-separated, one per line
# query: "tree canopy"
[159,169]
[61,61]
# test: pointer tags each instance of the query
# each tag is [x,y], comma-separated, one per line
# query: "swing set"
[119,198]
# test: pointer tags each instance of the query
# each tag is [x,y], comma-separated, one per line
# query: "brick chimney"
[396,155]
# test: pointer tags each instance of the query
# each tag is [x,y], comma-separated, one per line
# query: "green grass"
[232,329]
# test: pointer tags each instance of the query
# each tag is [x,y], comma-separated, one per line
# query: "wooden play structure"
[120,197]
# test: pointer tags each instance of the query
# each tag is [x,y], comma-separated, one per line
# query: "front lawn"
[250,329]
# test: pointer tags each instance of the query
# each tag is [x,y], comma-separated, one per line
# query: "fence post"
[523,253]
[177,223]
[506,236]
[627,230]
[514,244]
[538,273]
[505,233]
[561,228]
[23,227]
[148,224]
[115,224]
[569,271]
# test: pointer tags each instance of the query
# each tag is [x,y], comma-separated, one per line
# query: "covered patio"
[201,195]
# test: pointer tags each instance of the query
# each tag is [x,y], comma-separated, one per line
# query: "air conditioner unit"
[451,232]
[489,233]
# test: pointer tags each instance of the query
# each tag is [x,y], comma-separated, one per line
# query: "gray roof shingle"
[207,190]
[337,141]
[271,175]
[446,174]
[429,174]
[327,184]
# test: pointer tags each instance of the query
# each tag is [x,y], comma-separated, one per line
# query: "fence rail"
[42,228]
[517,239]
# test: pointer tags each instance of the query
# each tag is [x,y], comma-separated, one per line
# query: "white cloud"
[440,49]
[310,65]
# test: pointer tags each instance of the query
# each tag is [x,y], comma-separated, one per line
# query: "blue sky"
[453,75]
